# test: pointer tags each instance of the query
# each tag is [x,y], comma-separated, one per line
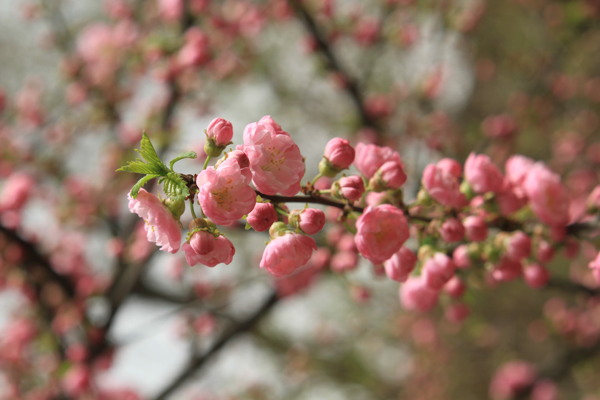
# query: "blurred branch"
[198,361]
[333,64]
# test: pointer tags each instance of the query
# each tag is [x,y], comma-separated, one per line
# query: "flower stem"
[319,175]
[206,162]
[192,208]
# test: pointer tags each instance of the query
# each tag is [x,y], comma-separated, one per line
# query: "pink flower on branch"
[161,226]
[275,160]
[224,193]
[222,252]
[548,197]
[369,158]
[381,231]
[482,174]
[285,254]
[441,182]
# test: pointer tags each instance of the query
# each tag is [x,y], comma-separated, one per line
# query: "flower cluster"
[465,219]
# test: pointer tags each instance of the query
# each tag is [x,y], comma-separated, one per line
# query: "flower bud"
[202,242]
[218,136]
[476,228]
[176,205]
[518,246]
[452,230]
[339,154]
[277,229]
[309,220]
[400,265]
[262,216]
[390,175]
[349,187]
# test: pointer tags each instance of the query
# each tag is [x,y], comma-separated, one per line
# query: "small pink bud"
[476,228]
[461,256]
[221,131]
[350,187]
[455,287]
[507,270]
[202,242]
[536,276]
[545,251]
[262,217]
[400,265]
[344,261]
[457,312]
[339,153]
[452,230]
[438,270]
[482,174]
[390,175]
[518,246]
[416,295]
[312,220]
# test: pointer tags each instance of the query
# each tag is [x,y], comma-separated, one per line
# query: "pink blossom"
[506,270]
[461,256]
[510,199]
[170,10]
[195,51]
[241,159]
[262,216]
[369,158]
[501,126]
[350,187]
[339,153]
[275,160]
[475,228]
[202,242]
[222,253]
[286,253]
[76,380]
[595,263]
[518,246]
[548,197]
[390,175]
[482,174]
[224,193]
[452,230]
[536,275]
[344,260]
[161,227]
[381,231]
[511,378]
[593,200]
[416,295]
[457,312]
[443,186]
[15,191]
[438,270]
[220,131]
[400,265]
[455,287]
[304,277]
[545,251]
[311,220]
[516,168]
[450,166]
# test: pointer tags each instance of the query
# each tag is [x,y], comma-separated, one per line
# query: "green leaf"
[148,152]
[136,188]
[153,164]
[174,185]
[189,154]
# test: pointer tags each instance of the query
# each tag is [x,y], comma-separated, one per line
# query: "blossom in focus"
[161,227]
[286,253]
[350,187]
[381,231]
[275,160]
[390,175]
[220,131]
[369,158]
[262,216]
[222,253]
[224,193]
[309,220]
[339,153]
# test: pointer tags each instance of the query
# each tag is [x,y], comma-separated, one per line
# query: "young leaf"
[136,188]
[189,154]
[148,152]
[153,164]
